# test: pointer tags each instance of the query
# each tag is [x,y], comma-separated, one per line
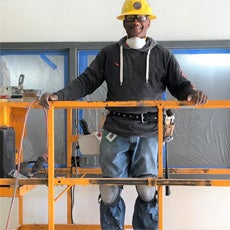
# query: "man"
[134,68]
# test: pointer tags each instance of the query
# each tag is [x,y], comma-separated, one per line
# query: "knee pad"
[109,194]
[146,193]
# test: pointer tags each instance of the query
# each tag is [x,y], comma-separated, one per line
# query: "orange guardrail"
[13,113]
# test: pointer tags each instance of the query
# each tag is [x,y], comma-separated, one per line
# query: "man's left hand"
[198,97]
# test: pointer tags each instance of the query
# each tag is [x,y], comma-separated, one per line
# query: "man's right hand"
[46,97]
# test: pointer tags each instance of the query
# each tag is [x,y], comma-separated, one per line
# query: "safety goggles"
[140,18]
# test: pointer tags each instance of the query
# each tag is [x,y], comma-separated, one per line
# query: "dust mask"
[136,42]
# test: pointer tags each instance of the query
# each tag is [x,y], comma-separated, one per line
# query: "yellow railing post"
[50,128]
[68,161]
[160,165]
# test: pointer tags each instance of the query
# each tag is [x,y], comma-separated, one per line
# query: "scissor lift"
[14,114]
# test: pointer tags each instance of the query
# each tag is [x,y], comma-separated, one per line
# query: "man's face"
[136,25]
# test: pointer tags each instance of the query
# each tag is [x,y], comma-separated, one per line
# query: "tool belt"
[142,117]
[168,121]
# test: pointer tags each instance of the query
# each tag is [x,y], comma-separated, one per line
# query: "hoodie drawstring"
[121,64]
[147,67]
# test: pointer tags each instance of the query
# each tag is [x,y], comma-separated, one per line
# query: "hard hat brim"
[122,16]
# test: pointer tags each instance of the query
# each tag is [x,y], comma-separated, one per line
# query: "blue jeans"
[123,157]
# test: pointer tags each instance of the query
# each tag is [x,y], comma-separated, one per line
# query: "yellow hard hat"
[136,7]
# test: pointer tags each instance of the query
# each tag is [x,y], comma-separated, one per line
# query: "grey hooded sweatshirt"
[131,74]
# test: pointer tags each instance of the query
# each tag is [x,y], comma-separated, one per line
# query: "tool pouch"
[168,125]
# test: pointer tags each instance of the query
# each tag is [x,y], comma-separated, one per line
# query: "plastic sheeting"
[39,74]
[202,136]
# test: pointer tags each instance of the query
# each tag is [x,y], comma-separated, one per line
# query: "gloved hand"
[46,97]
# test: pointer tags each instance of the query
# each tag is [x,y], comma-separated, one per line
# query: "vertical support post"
[50,128]
[17,120]
[69,136]
[5,115]
[160,164]
[20,209]
[68,160]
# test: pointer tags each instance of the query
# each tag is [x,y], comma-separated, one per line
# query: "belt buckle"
[143,121]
